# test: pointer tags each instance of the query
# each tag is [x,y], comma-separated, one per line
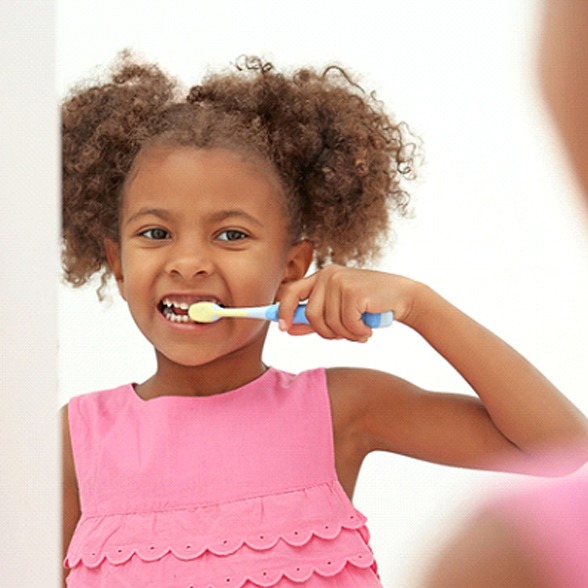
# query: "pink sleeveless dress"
[233,490]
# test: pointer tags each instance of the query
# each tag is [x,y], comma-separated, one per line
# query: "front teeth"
[168,307]
[170,304]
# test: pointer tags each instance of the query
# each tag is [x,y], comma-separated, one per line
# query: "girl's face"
[202,225]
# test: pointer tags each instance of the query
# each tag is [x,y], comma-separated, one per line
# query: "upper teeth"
[171,304]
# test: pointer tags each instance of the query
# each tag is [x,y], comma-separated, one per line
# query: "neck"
[218,376]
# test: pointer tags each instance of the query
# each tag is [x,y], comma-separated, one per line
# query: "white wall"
[29,472]
[497,226]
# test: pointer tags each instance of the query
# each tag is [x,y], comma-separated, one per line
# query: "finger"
[351,312]
[298,330]
[332,310]
[289,296]
[343,309]
[316,309]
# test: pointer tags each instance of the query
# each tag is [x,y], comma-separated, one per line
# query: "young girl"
[220,470]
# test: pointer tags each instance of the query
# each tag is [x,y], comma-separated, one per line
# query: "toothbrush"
[208,312]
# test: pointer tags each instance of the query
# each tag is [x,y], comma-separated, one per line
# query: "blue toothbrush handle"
[299,317]
[378,320]
[374,320]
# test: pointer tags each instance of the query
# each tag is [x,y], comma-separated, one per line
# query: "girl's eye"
[156,234]
[231,235]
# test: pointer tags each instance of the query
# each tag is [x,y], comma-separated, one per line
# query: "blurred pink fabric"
[550,520]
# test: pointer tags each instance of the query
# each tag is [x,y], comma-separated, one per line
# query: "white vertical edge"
[30,547]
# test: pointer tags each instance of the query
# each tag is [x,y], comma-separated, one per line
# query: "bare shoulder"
[364,404]
[362,379]
[377,411]
[65,434]
[358,394]
[357,390]
[68,462]
[71,501]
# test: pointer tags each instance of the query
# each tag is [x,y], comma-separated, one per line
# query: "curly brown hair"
[340,156]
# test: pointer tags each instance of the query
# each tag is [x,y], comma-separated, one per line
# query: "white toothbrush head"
[204,312]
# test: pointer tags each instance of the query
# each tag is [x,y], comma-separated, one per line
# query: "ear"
[112,249]
[298,261]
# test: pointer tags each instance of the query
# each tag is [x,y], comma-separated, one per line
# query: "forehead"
[202,178]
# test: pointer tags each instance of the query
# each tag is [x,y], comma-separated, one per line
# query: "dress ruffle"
[328,535]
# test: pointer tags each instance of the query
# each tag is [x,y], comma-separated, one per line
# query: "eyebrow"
[218,216]
[222,215]
[159,212]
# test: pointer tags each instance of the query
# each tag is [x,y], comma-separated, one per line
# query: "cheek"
[133,283]
[258,280]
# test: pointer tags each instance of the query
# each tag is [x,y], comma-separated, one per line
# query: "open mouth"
[175,310]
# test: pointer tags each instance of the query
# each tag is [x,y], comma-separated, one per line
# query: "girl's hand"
[337,297]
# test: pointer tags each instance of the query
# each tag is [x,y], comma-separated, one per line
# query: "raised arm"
[523,405]
[519,415]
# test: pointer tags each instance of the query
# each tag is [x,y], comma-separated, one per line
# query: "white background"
[497,227]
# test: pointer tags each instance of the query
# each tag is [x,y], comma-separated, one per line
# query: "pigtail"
[103,126]
[343,158]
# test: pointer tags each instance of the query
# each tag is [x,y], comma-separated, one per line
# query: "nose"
[189,259]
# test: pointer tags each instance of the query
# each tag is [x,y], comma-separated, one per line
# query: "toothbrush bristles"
[203,312]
